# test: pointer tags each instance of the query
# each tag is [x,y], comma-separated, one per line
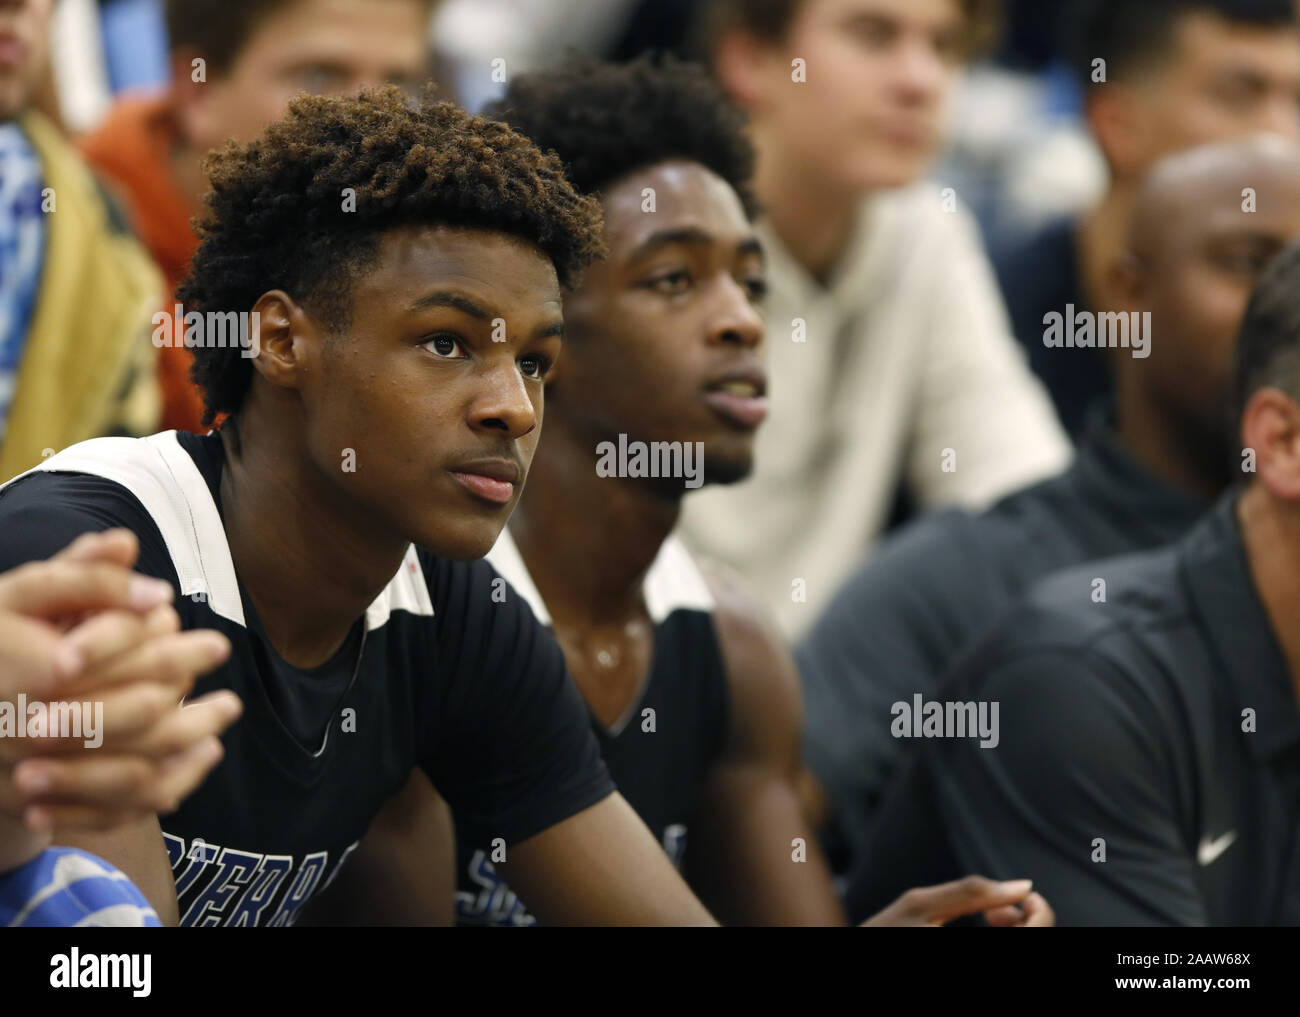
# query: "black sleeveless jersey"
[660,751]
[445,677]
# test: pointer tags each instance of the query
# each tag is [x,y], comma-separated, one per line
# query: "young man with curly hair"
[692,696]
[406,263]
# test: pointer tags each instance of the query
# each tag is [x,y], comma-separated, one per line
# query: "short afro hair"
[607,120]
[1133,36]
[1268,345]
[304,207]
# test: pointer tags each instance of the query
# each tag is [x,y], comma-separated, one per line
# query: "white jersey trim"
[673,582]
[166,481]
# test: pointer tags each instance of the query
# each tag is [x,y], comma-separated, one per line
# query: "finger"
[1004,917]
[208,715]
[107,782]
[120,784]
[966,896]
[79,817]
[1037,912]
[105,635]
[30,659]
[109,633]
[114,547]
[185,772]
[176,659]
[54,589]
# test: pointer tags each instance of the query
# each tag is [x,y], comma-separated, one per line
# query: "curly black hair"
[303,208]
[607,120]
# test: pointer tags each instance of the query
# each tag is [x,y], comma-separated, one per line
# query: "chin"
[466,542]
[887,168]
[727,470]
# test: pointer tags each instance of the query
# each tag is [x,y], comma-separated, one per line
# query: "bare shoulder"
[766,704]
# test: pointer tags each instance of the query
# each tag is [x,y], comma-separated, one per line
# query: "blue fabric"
[135,44]
[65,887]
[22,252]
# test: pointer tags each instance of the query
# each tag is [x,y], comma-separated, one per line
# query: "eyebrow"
[691,236]
[449,298]
[462,303]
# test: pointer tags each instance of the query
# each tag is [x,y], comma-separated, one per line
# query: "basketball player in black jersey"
[406,264]
[693,698]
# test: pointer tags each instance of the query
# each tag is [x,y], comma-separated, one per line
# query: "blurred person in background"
[235,66]
[76,290]
[1147,764]
[1148,465]
[1160,76]
[891,357]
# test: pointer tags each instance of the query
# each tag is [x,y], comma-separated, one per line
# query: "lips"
[739,397]
[492,480]
[13,53]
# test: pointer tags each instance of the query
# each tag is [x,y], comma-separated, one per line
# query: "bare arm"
[404,872]
[601,867]
[752,854]
[137,849]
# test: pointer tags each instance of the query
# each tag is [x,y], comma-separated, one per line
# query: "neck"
[1270,531]
[310,566]
[1182,453]
[814,217]
[1102,236]
[588,540]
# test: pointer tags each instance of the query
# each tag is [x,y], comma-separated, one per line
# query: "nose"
[1282,116]
[503,403]
[735,319]
[921,70]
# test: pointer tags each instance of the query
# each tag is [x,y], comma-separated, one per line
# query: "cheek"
[1199,339]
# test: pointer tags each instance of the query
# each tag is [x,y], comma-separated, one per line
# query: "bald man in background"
[1148,465]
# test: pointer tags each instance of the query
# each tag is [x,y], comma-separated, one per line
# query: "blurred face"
[1196,281]
[664,334]
[878,74]
[24,49]
[1221,81]
[443,420]
[322,47]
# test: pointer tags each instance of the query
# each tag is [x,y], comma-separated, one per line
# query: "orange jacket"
[133,149]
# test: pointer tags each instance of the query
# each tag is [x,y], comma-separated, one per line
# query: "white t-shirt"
[907,372]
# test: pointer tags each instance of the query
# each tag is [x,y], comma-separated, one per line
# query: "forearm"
[18,844]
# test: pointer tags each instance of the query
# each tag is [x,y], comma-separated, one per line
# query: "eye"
[671,283]
[445,347]
[756,286]
[319,79]
[535,366]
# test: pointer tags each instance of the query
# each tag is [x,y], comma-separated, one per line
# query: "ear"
[738,63]
[1114,114]
[1270,425]
[1126,283]
[289,340]
[189,95]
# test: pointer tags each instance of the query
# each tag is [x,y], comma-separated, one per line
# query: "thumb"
[969,896]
